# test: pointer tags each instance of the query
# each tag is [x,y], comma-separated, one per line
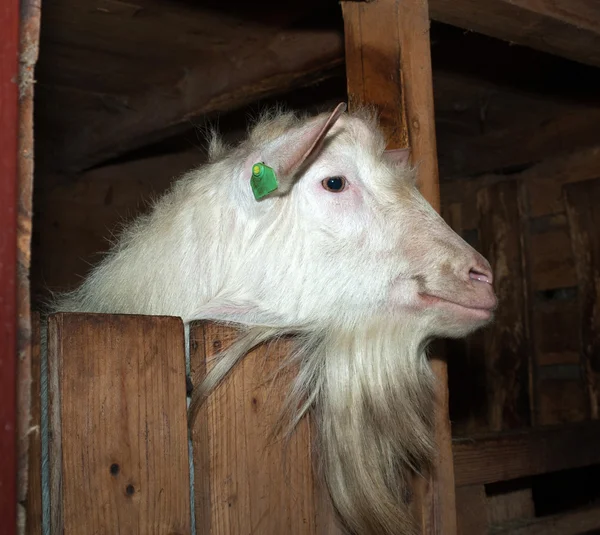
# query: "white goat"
[345,252]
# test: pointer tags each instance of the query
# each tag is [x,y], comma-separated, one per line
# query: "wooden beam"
[107,125]
[524,453]
[567,28]
[388,64]
[571,523]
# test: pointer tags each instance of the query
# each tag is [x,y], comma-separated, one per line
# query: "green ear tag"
[263,180]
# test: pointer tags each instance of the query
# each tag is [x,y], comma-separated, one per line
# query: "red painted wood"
[9,117]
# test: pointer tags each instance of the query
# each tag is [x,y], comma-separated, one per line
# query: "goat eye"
[334,184]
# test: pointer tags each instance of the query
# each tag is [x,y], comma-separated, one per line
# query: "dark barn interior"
[124,94]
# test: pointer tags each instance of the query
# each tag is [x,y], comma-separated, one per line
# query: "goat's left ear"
[298,146]
[397,156]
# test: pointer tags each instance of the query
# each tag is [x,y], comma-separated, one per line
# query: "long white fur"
[341,270]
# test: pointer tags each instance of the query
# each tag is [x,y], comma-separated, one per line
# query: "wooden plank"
[246,481]
[118,425]
[488,459]
[9,121]
[544,181]
[34,466]
[586,521]
[471,510]
[581,201]
[506,346]
[567,28]
[388,64]
[29,38]
[509,506]
[561,399]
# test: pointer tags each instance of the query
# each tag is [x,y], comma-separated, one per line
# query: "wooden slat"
[509,506]
[506,345]
[582,201]
[29,38]
[246,481]
[34,480]
[388,64]
[471,510]
[568,28]
[574,523]
[118,452]
[525,453]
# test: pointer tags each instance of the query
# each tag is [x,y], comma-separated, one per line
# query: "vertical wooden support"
[506,349]
[33,522]
[29,39]
[472,510]
[582,200]
[388,64]
[9,122]
[118,449]
[246,481]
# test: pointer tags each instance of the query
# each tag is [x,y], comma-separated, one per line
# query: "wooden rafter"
[567,28]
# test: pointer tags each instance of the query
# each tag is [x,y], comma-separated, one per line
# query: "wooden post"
[507,350]
[388,64]
[9,54]
[244,481]
[582,200]
[119,438]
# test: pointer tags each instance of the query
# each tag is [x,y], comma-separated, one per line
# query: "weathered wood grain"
[9,124]
[508,506]
[33,524]
[246,479]
[506,346]
[119,456]
[581,522]
[471,510]
[29,37]
[582,201]
[568,28]
[493,458]
[388,65]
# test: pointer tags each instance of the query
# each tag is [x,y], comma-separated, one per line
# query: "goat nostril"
[480,275]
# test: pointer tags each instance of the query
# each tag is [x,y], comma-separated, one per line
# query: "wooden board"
[9,72]
[29,37]
[506,349]
[582,201]
[471,510]
[118,449]
[247,481]
[568,28]
[388,64]
[482,460]
[582,522]
[34,466]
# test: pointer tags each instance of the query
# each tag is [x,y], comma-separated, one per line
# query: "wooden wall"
[528,368]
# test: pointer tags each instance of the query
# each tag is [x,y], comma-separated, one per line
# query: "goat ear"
[397,156]
[296,148]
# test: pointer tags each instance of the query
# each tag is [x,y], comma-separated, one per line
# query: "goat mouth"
[481,312]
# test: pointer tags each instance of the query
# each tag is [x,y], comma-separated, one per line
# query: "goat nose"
[481,271]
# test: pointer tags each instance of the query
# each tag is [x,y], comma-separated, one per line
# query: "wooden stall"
[500,105]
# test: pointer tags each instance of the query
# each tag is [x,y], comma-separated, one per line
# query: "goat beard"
[369,390]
